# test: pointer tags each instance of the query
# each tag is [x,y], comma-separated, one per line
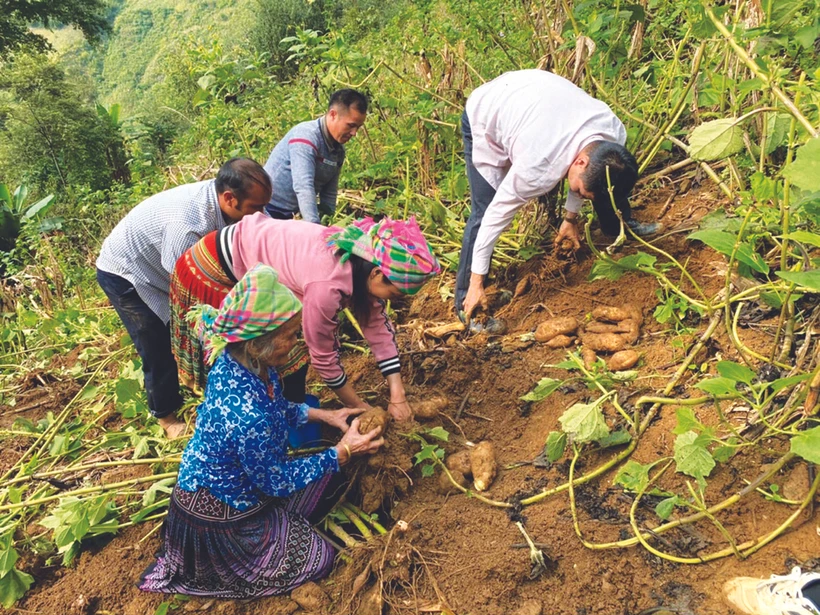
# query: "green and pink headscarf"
[258,303]
[397,248]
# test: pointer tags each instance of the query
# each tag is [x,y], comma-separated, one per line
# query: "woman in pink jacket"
[359,267]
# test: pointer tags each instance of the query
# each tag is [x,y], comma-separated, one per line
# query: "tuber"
[560,341]
[630,329]
[430,408]
[622,360]
[372,418]
[445,487]
[589,357]
[483,464]
[600,327]
[554,327]
[604,342]
[459,462]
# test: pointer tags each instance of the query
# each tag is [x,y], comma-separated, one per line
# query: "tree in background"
[52,136]
[16,16]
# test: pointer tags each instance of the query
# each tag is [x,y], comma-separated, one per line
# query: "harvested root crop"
[441,331]
[460,462]
[604,342]
[630,329]
[613,314]
[622,360]
[560,341]
[445,487]
[370,419]
[372,602]
[430,408]
[547,330]
[484,466]
[589,357]
[600,327]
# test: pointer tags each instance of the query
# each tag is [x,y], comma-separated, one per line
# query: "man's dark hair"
[623,173]
[239,174]
[348,98]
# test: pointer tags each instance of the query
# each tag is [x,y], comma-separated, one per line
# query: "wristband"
[401,401]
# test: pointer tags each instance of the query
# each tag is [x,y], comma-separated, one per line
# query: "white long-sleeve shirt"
[528,127]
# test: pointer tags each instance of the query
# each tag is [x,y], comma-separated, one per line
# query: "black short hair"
[623,173]
[348,98]
[239,174]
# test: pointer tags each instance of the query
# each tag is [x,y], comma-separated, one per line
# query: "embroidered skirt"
[201,275]
[212,549]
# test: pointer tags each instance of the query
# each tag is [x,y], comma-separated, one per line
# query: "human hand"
[353,443]
[338,418]
[475,298]
[568,230]
[400,410]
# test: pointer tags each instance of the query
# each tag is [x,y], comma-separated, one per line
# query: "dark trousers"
[294,386]
[481,194]
[152,338]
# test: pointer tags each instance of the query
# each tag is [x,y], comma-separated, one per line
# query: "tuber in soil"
[483,464]
[370,419]
[554,327]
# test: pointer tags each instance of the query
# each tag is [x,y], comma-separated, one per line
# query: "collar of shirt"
[331,142]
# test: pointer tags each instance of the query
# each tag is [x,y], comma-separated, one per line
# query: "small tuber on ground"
[622,360]
[430,408]
[483,464]
[370,419]
[460,462]
[564,325]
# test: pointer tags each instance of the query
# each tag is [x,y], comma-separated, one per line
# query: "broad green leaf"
[39,207]
[666,506]
[633,476]
[428,470]
[687,421]
[724,453]
[763,188]
[804,172]
[542,390]
[584,422]
[439,433]
[162,609]
[735,371]
[13,585]
[555,446]
[784,383]
[692,457]
[777,128]
[805,279]
[806,444]
[8,554]
[724,243]
[5,195]
[718,386]
[614,270]
[716,140]
[18,198]
[812,239]
[616,438]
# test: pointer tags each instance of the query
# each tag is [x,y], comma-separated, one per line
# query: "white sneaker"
[779,595]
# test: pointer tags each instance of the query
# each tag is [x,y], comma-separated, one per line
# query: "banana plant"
[14,213]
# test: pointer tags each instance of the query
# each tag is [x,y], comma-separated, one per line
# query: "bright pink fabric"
[308,267]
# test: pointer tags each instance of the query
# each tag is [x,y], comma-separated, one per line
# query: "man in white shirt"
[523,133]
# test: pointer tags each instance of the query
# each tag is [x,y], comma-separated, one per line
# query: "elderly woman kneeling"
[241,514]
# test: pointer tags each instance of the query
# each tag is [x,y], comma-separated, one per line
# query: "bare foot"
[174,428]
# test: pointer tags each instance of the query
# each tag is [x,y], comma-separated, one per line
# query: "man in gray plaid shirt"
[136,261]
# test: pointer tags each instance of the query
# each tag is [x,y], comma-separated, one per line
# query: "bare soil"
[463,555]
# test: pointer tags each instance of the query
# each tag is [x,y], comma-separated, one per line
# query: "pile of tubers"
[611,330]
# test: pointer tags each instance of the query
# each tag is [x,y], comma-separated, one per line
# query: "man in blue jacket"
[304,166]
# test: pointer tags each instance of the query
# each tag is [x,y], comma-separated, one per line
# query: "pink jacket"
[308,267]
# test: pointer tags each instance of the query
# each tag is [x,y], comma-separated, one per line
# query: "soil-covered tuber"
[483,464]
[430,408]
[370,419]
[560,341]
[622,360]
[565,325]
[445,487]
[459,462]
[604,342]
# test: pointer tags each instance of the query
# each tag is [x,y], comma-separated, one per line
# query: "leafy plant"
[430,453]
[76,519]
[14,583]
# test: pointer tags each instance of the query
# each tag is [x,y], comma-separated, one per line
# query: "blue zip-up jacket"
[303,167]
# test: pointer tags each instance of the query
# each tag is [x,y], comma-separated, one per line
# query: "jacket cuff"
[389,366]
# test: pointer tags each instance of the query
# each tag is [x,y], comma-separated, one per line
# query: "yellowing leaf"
[716,140]
[692,457]
[584,422]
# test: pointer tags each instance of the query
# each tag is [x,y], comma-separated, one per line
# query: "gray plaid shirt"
[144,247]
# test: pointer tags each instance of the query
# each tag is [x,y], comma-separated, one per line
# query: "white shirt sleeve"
[574,202]
[522,183]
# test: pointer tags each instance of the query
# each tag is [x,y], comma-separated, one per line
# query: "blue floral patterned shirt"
[239,448]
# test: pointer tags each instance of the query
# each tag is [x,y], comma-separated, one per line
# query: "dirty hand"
[400,410]
[358,444]
[475,297]
[568,230]
[338,418]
